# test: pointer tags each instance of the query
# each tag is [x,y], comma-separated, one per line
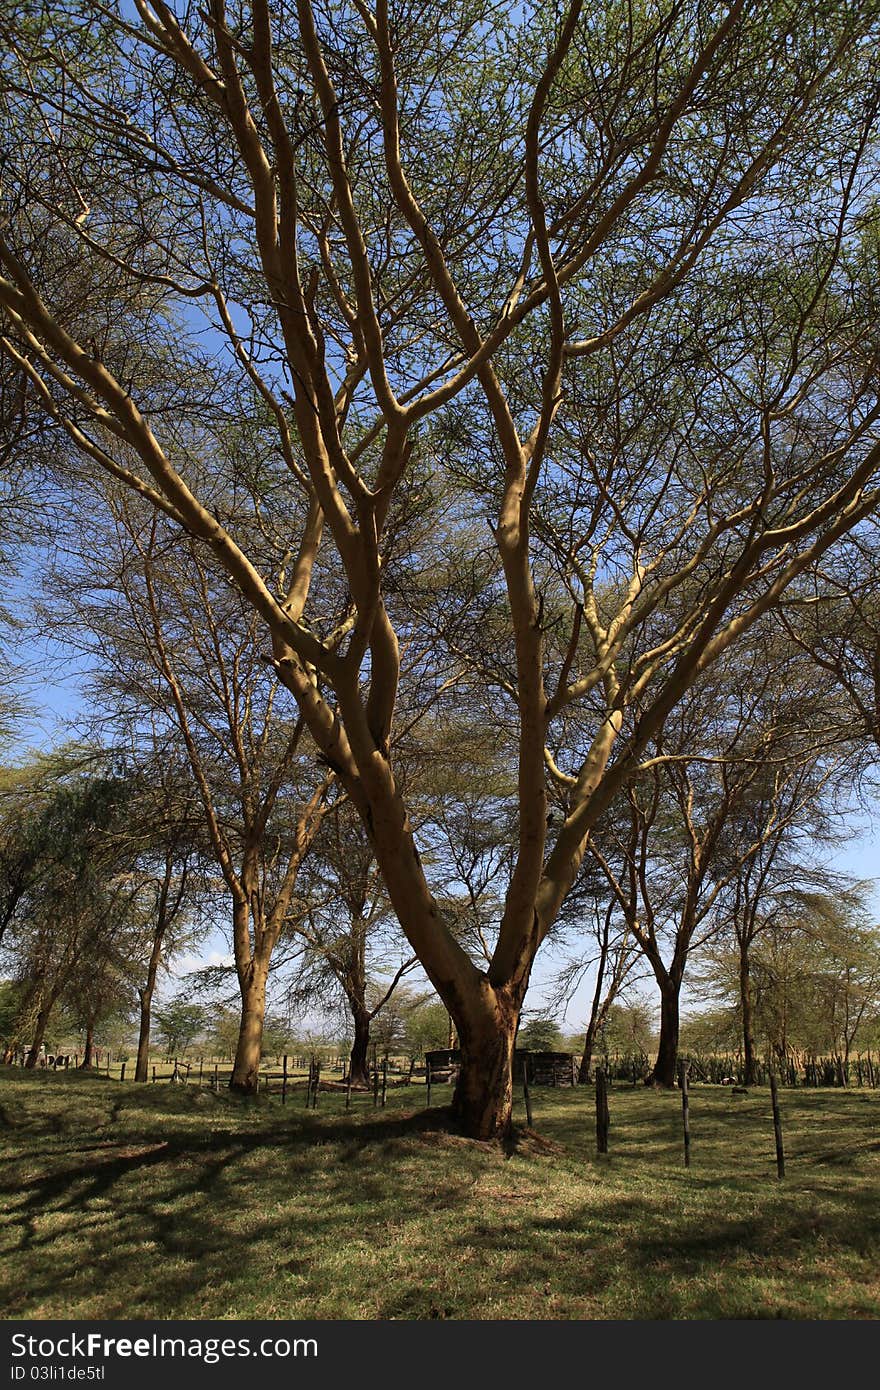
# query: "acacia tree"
[594,266]
[66,890]
[177,650]
[345,934]
[814,972]
[169,882]
[738,771]
[613,968]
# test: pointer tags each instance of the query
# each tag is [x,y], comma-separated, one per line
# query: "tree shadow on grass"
[149,1227]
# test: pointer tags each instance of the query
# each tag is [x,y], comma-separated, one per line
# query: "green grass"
[121,1201]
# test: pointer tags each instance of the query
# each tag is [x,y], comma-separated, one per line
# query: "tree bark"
[141,1070]
[39,1034]
[748,1023]
[142,1066]
[483,1101]
[358,1059]
[89,1049]
[246,1066]
[598,1011]
[663,1073]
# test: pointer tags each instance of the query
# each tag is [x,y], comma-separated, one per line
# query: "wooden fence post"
[375,1084]
[122,1072]
[777,1127]
[316,1085]
[602,1115]
[384,1080]
[348,1087]
[154,1071]
[527,1097]
[428,1082]
[284,1081]
[685,1117]
[216,1078]
[201,1069]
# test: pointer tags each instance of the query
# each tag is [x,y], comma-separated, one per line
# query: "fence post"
[777,1126]
[527,1097]
[685,1117]
[375,1084]
[348,1087]
[216,1078]
[316,1085]
[428,1082]
[284,1081]
[122,1072]
[384,1079]
[201,1069]
[154,1071]
[602,1115]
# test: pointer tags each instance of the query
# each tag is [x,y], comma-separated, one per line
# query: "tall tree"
[348,938]
[177,651]
[743,762]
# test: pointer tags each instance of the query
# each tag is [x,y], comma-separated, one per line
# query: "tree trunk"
[358,1059]
[39,1034]
[142,1066]
[586,1065]
[483,1100]
[246,1067]
[89,1049]
[664,1070]
[748,1026]
[595,1010]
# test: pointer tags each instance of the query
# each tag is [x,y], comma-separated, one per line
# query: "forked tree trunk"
[246,1067]
[664,1070]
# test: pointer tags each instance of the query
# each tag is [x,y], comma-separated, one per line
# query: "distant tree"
[540,1034]
[277,1035]
[344,934]
[815,973]
[189,668]
[178,1023]
[69,896]
[630,1028]
[427,1025]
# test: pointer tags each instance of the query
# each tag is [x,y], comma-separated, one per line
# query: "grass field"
[163,1201]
